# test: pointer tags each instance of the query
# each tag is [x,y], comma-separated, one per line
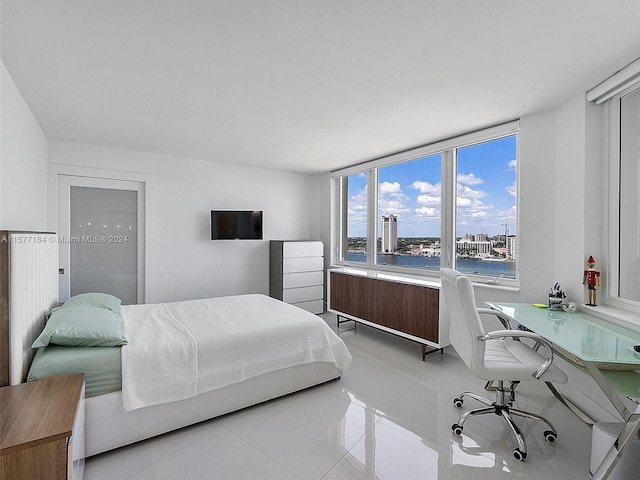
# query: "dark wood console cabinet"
[409,309]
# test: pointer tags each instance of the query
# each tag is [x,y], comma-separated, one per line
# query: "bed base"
[28,290]
[109,427]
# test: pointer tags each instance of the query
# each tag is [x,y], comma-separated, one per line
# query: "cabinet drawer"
[293,295]
[313,306]
[302,279]
[302,264]
[302,249]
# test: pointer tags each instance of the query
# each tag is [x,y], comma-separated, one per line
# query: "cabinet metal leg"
[426,352]
[344,320]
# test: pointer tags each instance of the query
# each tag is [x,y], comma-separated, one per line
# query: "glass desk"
[605,350]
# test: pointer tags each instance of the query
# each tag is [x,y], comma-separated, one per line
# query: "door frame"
[101,179]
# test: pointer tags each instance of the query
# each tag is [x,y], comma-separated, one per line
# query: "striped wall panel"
[33,291]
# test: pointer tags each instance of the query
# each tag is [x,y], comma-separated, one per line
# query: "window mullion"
[372,214]
[343,200]
[613,227]
[448,210]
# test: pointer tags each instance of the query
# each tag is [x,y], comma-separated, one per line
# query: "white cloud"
[388,187]
[512,190]
[512,164]
[427,188]
[428,200]
[480,214]
[427,211]
[391,199]
[357,213]
[469,179]
[468,192]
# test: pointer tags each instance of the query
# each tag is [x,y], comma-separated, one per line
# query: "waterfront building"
[512,248]
[389,234]
[465,246]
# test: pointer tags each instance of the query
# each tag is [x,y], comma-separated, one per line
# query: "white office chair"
[496,356]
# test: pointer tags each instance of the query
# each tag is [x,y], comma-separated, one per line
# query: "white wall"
[560,205]
[320,215]
[186,263]
[23,162]
[559,197]
[559,200]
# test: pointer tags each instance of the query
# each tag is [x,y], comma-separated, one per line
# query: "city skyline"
[486,193]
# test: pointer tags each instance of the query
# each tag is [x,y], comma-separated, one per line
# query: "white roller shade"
[616,83]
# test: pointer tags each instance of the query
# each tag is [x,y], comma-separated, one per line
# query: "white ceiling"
[303,85]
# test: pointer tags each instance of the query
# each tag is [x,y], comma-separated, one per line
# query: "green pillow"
[82,327]
[97,300]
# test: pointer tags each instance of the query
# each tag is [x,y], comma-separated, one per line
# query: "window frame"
[612,122]
[447,149]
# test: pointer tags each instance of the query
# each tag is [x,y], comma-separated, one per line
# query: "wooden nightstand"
[41,428]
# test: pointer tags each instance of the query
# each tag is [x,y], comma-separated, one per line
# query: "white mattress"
[183,349]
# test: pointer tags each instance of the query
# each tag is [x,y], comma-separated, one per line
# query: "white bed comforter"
[182,349]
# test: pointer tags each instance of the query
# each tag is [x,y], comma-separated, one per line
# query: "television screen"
[236,225]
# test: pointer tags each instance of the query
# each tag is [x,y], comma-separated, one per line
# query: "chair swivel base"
[502,409]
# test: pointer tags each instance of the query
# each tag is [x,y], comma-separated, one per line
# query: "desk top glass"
[589,338]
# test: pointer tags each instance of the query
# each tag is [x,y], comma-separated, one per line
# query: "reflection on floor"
[389,417]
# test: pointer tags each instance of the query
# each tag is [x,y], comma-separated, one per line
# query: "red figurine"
[592,278]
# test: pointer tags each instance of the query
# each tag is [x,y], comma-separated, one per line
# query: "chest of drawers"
[297,273]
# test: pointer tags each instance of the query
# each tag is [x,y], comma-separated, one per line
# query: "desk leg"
[607,389]
[629,432]
[569,404]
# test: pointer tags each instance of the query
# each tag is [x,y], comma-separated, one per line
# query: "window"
[354,242]
[409,214]
[486,208]
[624,202]
[452,203]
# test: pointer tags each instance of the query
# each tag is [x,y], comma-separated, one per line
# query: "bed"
[274,349]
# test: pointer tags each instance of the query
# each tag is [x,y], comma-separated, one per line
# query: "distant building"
[465,246]
[389,234]
[512,248]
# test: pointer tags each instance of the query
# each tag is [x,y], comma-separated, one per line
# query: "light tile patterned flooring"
[389,417]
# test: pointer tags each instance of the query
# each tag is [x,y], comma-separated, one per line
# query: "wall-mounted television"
[236,224]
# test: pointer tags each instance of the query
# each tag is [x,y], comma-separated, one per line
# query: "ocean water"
[464,265]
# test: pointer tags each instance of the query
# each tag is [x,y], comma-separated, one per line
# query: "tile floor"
[389,417]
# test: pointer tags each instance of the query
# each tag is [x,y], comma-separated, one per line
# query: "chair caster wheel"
[520,456]
[457,429]
[457,402]
[550,436]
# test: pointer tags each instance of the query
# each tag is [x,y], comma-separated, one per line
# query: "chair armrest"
[506,323]
[515,334]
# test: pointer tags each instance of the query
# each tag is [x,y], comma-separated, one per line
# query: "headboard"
[28,291]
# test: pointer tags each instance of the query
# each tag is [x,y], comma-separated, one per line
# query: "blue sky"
[486,199]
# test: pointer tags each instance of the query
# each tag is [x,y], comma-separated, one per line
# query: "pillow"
[97,300]
[82,327]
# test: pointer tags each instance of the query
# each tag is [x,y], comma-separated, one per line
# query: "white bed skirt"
[108,426]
